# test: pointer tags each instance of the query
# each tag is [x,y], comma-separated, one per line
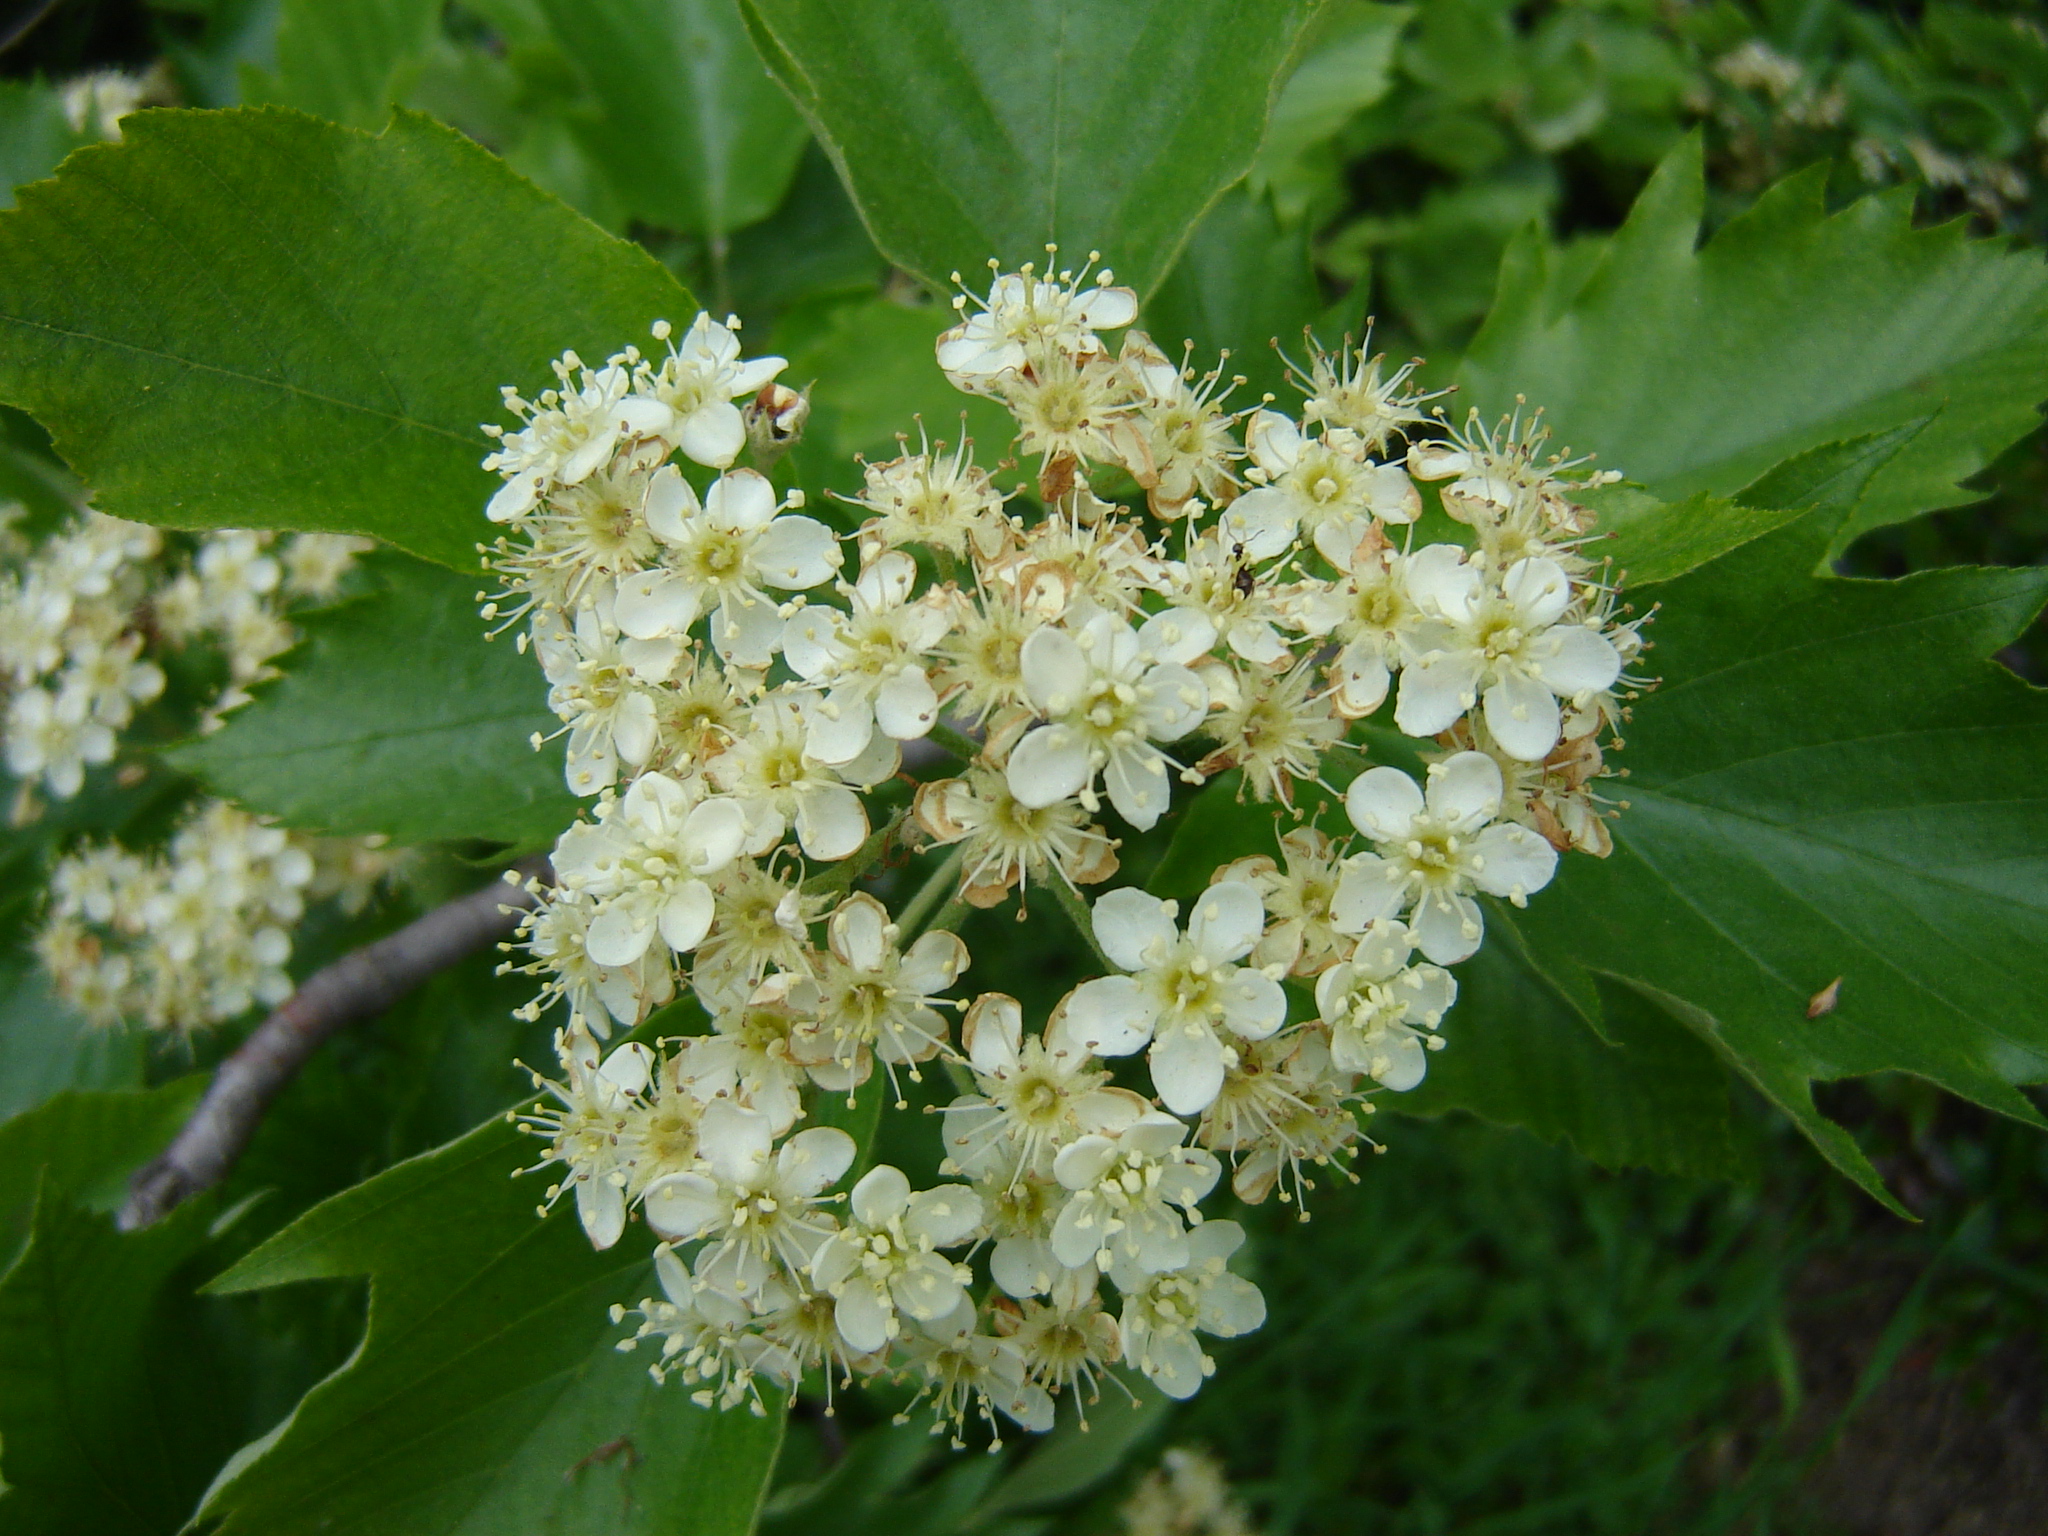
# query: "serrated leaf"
[1697,370]
[1650,1096]
[686,125]
[1829,783]
[254,319]
[487,1398]
[46,1047]
[34,134]
[79,1147]
[344,62]
[967,129]
[1651,541]
[395,716]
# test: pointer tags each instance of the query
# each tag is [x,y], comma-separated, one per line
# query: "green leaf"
[967,129]
[345,62]
[253,319]
[101,1431]
[34,134]
[1347,64]
[1652,541]
[1696,370]
[1242,283]
[394,715]
[1651,1096]
[1829,783]
[78,1148]
[113,1412]
[487,1396]
[688,126]
[47,1047]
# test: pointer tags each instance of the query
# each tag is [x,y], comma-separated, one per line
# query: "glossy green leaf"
[487,1398]
[255,319]
[967,129]
[396,716]
[1830,782]
[345,62]
[687,124]
[46,1047]
[78,1148]
[1698,369]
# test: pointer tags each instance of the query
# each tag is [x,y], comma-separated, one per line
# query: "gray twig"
[360,985]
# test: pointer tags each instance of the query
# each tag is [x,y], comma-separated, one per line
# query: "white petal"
[882,1194]
[1369,889]
[1187,1068]
[745,631]
[1174,1364]
[1083,1161]
[1274,441]
[1382,803]
[1435,692]
[1231,1305]
[1054,668]
[601,1205]
[715,830]
[1465,790]
[1440,581]
[1539,590]
[1139,785]
[1254,1005]
[945,1215]
[1110,1015]
[932,964]
[682,1206]
[858,932]
[1581,660]
[1522,715]
[1448,928]
[740,498]
[617,936]
[830,823]
[1227,921]
[863,1316]
[992,1034]
[813,1161]
[686,917]
[1176,699]
[1512,861]
[807,640]
[734,1140]
[1178,635]
[1262,520]
[840,727]
[1048,765]
[713,434]
[906,707]
[670,501]
[796,553]
[1400,1062]
[1137,930]
[652,604]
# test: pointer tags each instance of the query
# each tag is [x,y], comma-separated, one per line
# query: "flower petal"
[1465,790]
[1110,1015]
[1512,861]
[1187,1067]
[1229,918]
[1383,803]
[1135,930]
[1522,715]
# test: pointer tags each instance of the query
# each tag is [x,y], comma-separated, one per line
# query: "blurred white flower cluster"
[1187,1494]
[738,682]
[87,615]
[199,933]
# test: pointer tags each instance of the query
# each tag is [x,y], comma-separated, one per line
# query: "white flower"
[759,1208]
[1027,318]
[1037,1094]
[1176,440]
[1067,1340]
[556,935]
[872,997]
[1108,693]
[1372,615]
[1344,389]
[696,385]
[1181,990]
[943,503]
[56,737]
[1301,936]
[1163,1310]
[602,684]
[1504,645]
[584,1130]
[1124,1188]
[885,1260]
[720,554]
[1008,843]
[643,863]
[778,783]
[567,435]
[965,1371]
[1434,852]
[1320,487]
[708,1337]
[1378,1007]
[870,661]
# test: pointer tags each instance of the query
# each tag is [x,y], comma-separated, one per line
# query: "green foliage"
[1829,784]
[344,62]
[420,739]
[314,364]
[34,134]
[1099,124]
[685,123]
[1699,369]
[1347,63]
[487,1392]
[110,1403]
[46,1048]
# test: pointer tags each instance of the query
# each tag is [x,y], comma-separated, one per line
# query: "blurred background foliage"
[1486,1334]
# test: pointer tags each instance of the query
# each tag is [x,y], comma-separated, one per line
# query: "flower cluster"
[198,934]
[739,681]
[86,616]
